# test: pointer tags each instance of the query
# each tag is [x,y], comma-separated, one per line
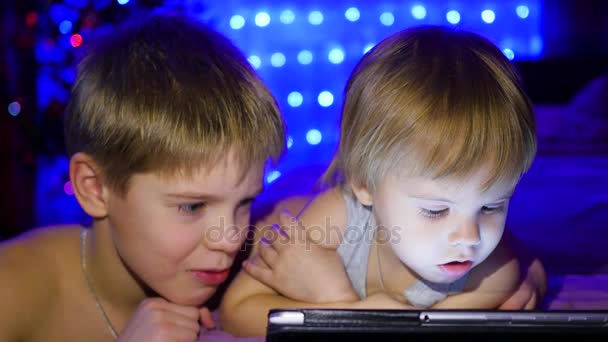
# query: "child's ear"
[88,184]
[362,193]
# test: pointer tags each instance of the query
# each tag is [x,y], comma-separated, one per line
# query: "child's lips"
[211,277]
[456,268]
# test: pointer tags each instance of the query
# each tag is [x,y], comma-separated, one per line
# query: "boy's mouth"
[456,268]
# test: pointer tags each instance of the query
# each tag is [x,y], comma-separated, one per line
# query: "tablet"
[434,325]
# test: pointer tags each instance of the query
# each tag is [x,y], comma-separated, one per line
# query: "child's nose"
[466,233]
[226,237]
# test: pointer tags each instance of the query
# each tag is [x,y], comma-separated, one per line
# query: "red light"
[31,18]
[76,40]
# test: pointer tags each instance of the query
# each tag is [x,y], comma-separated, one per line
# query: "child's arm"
[490,284]
[245,305]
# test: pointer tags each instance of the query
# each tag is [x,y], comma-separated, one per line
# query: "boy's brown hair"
[170,95]
[433,101]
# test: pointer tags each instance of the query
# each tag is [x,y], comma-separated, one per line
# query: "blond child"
[436,131]
[168,130]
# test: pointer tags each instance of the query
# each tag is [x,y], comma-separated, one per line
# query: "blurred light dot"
[255,61]
[314,137]
[289,141]
[237,22]
[368,47]
[31,18]
[272,176]
[418,12]
[295,99]
[536,45]
[68,189]
[287,17]
[305,57]
[14,108]
[262,19]
[352,14]
[522,11]
[315,17]
[488,16]
[76,40]
[387,18]
[122,2]
[325,99]
[336,56]
[509,53]
[453,17]
[65,27]
[277,59]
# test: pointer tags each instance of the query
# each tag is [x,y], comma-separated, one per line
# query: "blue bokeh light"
[488,16]
[522,11]
[304,57]
[352,14]
[325,99]
[287,17]
[453,17]
[262,19]
[295,99]
[277,59]
[237,22]
[315,18]
[336,56]
[418,12]
[255,61]
[387,18]
[314,137]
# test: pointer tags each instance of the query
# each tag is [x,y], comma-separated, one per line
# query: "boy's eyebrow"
[503,197]
[209,197]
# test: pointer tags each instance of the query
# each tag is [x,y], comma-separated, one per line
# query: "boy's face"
[441,228]
[181,234]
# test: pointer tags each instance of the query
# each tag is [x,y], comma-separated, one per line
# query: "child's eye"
[191,208]
[434,214]
[492,209]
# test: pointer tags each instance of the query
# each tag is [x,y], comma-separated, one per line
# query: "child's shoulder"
[33,264]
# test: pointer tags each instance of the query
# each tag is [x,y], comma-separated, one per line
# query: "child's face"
[441,228]
[180,235]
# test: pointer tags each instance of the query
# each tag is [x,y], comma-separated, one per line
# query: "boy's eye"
[492,209]
[434,214]
[191,208]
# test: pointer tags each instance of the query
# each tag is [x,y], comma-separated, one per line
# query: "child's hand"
[298,267]
[531,289]
[158,320]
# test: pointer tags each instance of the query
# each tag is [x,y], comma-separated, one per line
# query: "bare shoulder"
[30,269]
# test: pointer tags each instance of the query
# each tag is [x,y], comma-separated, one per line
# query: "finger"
[283,239]
[517,300]
[259,273]
[531,304]
[183,322]
[206,318]
[268,254]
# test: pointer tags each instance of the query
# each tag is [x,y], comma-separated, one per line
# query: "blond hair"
[169,95]
[442,102]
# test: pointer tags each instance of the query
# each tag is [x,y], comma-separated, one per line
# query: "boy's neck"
[112,282]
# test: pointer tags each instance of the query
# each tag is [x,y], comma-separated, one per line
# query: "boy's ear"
[88,184]
[363,195]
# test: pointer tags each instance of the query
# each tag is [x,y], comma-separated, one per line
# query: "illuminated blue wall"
[304,52]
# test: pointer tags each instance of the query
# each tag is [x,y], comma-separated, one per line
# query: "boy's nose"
[467,233]
[225,237]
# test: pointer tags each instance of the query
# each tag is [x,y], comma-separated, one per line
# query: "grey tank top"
[354,251]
